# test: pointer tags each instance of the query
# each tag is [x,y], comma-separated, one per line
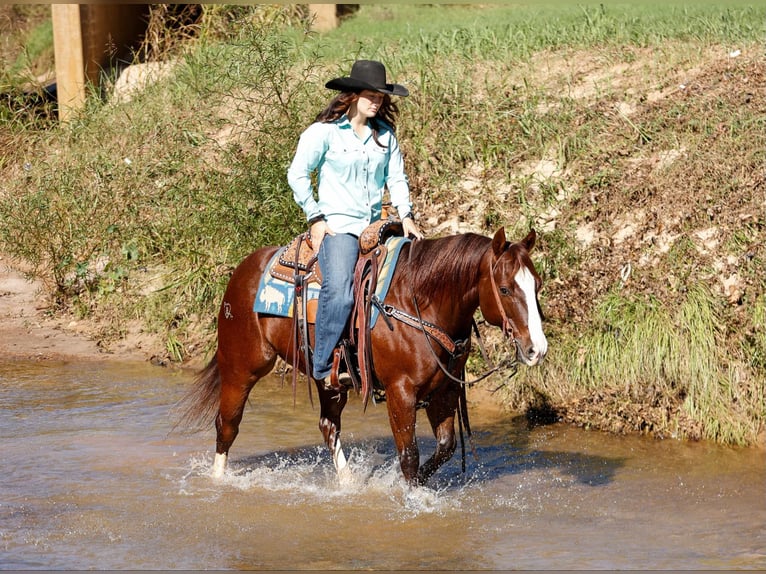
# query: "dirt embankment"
[612,233]
[30,331]
[667,215]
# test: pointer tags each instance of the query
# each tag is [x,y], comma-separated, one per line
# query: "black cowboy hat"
[367,75]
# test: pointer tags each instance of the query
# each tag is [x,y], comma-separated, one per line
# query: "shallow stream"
[93,478]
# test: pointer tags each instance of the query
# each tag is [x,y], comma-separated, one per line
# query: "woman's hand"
[318,230]
[411,228]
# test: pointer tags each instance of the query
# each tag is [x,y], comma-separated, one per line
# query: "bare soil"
[29,330]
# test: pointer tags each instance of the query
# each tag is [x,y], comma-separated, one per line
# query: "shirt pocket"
[342,160]
[378,161]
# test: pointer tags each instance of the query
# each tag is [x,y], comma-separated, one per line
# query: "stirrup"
[341,383]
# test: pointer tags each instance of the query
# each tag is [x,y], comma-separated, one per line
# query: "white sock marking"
[219,465]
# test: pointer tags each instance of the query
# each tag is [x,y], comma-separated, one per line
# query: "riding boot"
[341,383]
[336,380]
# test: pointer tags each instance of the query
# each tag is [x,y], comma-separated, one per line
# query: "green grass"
[641,351]
[515,30]
[39,42]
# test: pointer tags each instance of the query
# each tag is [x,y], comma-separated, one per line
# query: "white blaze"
[526,281]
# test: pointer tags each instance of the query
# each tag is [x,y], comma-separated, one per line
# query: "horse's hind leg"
[331,406]
[236,384]
[233,397]
[246,349]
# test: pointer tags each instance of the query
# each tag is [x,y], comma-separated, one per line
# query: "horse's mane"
[448,261]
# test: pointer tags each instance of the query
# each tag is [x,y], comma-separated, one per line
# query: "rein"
[300,329]
[464,345]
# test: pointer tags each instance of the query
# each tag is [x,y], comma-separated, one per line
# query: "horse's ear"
[499,243]
[529,240]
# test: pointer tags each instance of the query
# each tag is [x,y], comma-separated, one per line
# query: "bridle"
[507,325]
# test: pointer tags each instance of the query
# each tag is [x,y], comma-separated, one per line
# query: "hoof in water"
[341,464]
[345,476]
[219,466]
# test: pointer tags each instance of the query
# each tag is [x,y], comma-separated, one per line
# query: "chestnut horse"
[441,282]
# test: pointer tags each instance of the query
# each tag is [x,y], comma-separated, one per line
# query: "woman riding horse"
[355,153]
[436,288]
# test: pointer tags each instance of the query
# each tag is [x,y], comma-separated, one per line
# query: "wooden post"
[324,17]
[70,70]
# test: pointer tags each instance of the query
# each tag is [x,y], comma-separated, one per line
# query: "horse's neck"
[456,300]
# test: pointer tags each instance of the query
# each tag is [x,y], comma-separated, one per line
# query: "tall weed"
[640,352]
[187,210]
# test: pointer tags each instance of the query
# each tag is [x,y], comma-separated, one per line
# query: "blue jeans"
[337,259]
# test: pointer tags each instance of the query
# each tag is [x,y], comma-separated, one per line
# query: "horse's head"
[508,297]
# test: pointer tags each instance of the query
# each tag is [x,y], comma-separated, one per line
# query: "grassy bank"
[631,137]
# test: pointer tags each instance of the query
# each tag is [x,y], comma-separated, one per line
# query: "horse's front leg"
[441,414]
[331,406]
[401,416]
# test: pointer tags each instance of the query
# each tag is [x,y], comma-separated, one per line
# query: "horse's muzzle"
[530,354]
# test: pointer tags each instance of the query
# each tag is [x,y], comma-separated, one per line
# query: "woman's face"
[368,103]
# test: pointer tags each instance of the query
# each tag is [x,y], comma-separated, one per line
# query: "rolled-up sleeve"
[308,155]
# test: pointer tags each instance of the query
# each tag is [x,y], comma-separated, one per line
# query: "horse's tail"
[199,407]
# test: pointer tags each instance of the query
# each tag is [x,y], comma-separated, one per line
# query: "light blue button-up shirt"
[353,173]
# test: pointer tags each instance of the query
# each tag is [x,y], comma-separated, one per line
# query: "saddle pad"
[386,272]
[275,296]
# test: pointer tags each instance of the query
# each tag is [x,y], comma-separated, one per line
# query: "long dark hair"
[339,105]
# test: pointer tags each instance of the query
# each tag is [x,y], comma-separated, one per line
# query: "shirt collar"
[344,123]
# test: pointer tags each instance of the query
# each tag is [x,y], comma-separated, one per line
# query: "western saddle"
[298,265]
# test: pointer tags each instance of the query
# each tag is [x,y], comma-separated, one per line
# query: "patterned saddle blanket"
[275,295]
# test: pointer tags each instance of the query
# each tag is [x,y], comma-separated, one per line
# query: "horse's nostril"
[529,354]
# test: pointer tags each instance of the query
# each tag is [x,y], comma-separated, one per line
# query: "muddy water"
[93,478]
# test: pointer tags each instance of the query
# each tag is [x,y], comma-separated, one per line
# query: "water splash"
[308,476]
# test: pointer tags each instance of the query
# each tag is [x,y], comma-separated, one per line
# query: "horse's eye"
[505,291]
